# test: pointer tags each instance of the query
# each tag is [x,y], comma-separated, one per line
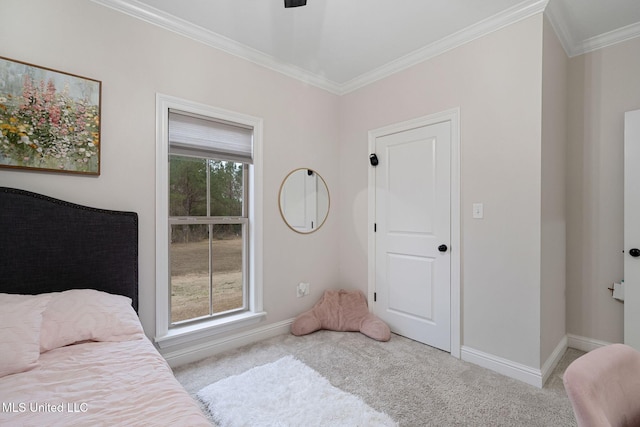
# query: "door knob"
[443,248]
[635,252]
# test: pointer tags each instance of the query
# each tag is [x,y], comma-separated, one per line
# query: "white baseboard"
[502,366]
[200,351]
[584,343]
[518,371]
[527,374]
[553,360]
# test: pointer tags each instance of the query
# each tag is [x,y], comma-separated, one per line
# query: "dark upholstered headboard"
[49,245]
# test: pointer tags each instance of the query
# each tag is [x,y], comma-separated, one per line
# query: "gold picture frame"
[49,120]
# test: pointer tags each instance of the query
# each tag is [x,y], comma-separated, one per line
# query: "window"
[208,222]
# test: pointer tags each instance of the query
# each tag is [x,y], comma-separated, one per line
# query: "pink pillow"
[88,315]
[341,311]
[20,320]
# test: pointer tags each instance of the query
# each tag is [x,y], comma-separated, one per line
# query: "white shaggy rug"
[286,393]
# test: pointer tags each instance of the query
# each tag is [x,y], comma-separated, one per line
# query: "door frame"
[452,116]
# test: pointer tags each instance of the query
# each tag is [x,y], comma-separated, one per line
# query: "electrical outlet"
[302,289]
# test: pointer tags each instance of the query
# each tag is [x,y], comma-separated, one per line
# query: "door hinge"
[375,296]
[375,227]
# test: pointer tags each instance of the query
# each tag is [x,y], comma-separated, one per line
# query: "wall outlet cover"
[302,289]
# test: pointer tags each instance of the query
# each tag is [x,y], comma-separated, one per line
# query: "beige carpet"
[414,384]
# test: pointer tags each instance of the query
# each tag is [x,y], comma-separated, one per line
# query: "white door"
[412,221]
[632,228]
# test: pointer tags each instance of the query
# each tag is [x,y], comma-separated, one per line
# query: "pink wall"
[602,86]
[496,82]
[134,61]
[555,65]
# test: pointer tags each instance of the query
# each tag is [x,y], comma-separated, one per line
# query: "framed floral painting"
[49,120]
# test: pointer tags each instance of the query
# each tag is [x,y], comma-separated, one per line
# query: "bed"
[72,349]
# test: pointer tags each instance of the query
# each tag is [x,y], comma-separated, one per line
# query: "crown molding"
[177,25]
[187,29]
[507,17]
[558,22]
[607,39]
[574,47]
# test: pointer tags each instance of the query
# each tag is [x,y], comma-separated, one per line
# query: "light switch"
[478,211]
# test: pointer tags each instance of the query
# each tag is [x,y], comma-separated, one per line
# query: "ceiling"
[341,45]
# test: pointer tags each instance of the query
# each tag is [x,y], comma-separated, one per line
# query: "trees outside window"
[207,237]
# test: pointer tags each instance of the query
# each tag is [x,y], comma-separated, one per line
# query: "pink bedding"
[98,384]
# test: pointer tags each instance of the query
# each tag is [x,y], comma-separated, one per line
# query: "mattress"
[98,384]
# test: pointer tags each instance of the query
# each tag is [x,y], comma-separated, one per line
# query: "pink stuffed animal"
[341,311]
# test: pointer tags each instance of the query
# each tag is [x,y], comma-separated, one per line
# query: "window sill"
[190,333]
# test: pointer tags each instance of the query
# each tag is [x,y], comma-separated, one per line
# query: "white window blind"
[190,135]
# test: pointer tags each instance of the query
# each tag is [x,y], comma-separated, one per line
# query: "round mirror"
[304,200]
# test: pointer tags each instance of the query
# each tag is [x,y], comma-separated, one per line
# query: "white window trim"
[178,335]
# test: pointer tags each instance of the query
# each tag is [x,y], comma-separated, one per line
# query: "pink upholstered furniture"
[604,387]
[341,311]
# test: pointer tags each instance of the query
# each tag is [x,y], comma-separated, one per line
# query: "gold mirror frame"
[304,200]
